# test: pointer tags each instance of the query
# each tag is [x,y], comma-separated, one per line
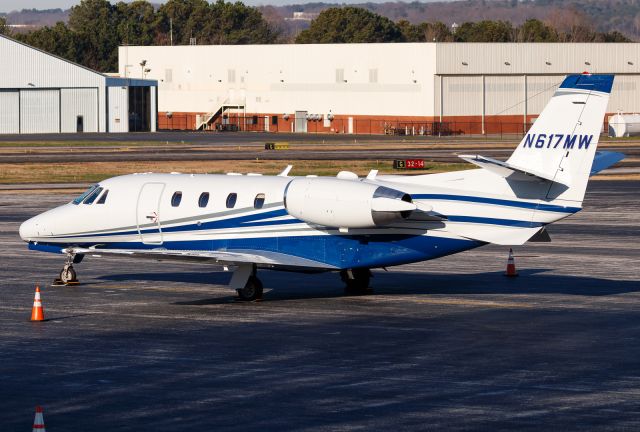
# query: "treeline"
[96,28]
[352,24]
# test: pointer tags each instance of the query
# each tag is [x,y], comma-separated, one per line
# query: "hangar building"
[374,88]
[42,93]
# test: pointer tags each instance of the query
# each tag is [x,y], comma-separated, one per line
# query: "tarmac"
[449,344]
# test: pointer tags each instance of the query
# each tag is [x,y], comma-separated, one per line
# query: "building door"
[9,112]
[80,124]
[39,111]
[139,109]
[301,121]
[148,213]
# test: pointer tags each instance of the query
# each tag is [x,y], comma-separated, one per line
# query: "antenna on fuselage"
[285,172]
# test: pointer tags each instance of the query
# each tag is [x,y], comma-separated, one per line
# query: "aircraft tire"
[252,290]
[68,274]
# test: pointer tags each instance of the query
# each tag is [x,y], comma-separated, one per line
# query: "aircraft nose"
[29,229]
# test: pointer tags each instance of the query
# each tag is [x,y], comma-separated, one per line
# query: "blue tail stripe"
[502,202]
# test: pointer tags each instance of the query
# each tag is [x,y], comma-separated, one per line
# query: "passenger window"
[176,198]
[258,202]
[92,196]
[81,198]
[231,200]
[203,200]
[103,198]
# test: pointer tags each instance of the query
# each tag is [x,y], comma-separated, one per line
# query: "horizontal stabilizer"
[605,159]
[504,169]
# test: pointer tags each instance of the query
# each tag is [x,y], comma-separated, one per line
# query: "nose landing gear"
[68,274]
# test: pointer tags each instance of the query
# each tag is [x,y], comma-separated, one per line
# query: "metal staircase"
[204,122]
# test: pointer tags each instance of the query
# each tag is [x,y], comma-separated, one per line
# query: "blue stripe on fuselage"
[496,201]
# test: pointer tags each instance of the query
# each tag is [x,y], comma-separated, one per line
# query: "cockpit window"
[84,195]
[92,196]
[103,198]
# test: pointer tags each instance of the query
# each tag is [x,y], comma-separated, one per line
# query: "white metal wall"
[118,109]
[365,79]
[625,95]
[504,95]
[39,111]
[79,102]
[462,95]
[379,79]
[539,91]
[9,112]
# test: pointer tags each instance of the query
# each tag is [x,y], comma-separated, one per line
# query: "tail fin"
[561,144]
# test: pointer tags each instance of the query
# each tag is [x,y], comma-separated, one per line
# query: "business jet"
[346,224]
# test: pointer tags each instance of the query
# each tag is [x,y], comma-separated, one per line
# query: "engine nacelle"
[340,203]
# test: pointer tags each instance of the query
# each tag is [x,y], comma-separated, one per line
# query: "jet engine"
[342,203]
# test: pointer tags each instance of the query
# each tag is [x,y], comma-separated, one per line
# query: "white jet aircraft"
[345,223]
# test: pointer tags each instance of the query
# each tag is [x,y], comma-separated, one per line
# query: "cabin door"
[148,213]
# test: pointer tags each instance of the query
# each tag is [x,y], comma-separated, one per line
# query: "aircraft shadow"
[281,286]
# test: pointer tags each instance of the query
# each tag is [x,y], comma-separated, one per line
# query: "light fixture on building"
[630,63]
[587,63]
[465,64]
[507,64]
[548,63]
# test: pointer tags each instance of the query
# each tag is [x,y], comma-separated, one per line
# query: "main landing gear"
[246,283]
[356,281]
[68,275]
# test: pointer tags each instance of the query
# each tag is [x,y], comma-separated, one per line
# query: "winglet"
[372,175]
[285,172]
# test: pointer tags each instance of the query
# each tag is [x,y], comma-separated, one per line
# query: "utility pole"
[171,30]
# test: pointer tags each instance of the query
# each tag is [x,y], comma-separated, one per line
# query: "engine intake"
[341,203]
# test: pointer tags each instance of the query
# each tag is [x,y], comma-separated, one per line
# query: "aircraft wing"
[263,259]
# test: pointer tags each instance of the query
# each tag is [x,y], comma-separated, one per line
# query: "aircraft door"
[148,213]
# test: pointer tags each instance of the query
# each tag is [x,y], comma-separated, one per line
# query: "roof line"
[54,56]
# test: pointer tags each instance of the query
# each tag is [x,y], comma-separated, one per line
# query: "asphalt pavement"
[449,344]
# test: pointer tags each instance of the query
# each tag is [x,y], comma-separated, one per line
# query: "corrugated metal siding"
[79,102]
[39,111]
[9,112]
[536,58]
[462,95]
[625,95]
[30,67]
[539,91]
[118,109]
[505,95]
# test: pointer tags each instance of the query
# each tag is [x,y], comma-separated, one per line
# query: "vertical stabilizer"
[562,142]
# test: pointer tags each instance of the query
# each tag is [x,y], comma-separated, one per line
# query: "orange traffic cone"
[38,422]
[511,266]
[37,312]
